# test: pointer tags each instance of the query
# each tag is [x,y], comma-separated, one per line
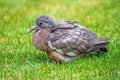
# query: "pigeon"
[65,40]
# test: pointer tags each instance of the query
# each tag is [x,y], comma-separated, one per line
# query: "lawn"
[20,60]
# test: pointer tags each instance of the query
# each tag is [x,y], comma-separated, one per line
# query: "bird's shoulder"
[67,24]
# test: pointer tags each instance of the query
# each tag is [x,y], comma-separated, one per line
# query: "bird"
[65,40]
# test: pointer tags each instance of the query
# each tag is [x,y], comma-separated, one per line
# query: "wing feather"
[72,41]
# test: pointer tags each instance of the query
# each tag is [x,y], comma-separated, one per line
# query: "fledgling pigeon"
[65,40]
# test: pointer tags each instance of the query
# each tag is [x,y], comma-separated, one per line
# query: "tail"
[103,49]
[98,44]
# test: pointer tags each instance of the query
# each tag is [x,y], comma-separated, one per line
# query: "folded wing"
[75,40]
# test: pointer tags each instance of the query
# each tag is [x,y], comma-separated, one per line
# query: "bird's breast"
[40,39]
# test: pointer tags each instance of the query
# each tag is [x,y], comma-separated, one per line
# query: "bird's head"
[43,21]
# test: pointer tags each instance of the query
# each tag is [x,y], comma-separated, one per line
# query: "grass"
[19,60]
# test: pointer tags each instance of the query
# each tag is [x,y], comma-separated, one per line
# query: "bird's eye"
[40,23]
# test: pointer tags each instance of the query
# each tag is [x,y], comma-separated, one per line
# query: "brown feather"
[40,39]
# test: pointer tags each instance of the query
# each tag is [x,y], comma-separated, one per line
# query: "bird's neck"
[40,39]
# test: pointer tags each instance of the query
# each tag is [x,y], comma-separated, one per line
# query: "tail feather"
[98,44]
[100,40]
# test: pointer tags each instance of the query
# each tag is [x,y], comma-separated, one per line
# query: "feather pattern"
[75,40]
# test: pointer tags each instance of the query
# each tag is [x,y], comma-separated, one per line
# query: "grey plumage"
[66,38]
[76,40]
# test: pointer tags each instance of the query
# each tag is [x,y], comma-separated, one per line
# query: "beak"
[32,28]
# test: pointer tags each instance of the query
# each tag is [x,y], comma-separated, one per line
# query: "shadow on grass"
[43,58]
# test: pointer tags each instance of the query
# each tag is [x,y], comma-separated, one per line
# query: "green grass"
[19,60]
